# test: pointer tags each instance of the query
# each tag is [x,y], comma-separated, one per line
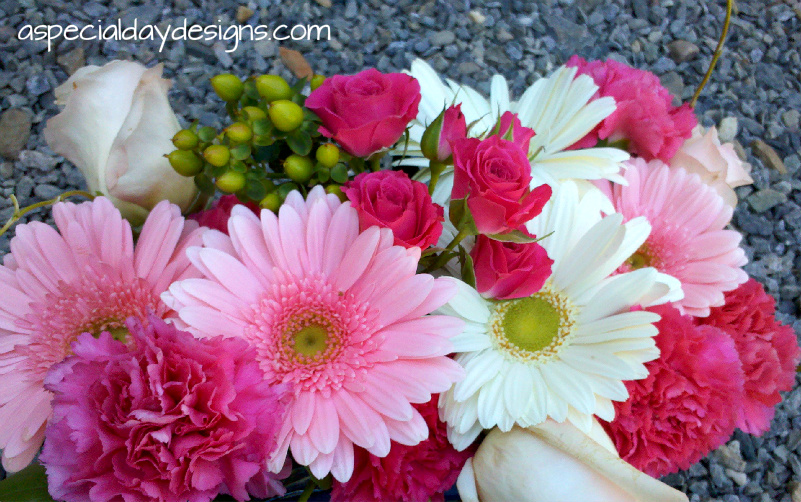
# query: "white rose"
[116,126]
[717,164]
[555,462]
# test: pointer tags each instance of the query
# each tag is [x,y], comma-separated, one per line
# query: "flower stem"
[716,55]
[19,213]
[446,254]
[307,492]
[436,169]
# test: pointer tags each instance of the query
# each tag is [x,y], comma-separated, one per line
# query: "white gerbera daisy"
[564,352]
[557,108]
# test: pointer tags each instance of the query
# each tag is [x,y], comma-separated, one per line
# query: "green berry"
[327,155]
[272,202]
[239,132]
[336,190]
[286,115]
[253,113]
[228,87]
[217,155]
[185,162]
[231,182]
[284,189]
[299,168]
[316,81]
[273,87]
[185,139]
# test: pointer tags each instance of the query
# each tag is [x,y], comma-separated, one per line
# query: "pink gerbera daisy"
[85,277]
[688,239]
[339,315]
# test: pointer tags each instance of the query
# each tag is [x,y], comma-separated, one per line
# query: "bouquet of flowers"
[382,285]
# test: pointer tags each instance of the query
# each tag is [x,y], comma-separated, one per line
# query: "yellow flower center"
[311,340]
[533,329]
[641,258]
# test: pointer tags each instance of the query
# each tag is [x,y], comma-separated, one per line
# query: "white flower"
[564,352]
[556,463]
[116,126]
[557,108]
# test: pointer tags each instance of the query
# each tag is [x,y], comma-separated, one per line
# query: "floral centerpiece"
[381,285]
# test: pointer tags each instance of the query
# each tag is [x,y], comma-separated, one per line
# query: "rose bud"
[507,270]
[449,126]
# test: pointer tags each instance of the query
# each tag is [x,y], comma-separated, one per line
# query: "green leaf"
[207,134]
[263,127]
[299,142]
[516,236]
[28,485]
[240,152]
[468,271]
[460,216]
[339,173]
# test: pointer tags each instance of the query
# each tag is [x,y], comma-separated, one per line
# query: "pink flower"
[507,270]
[217,215]
[768,350]
[521,136]
[644,115]
[85,277]
[687,406]
[366,112]
[688,238]
[494,176]
[389,199]
[408,473]
[454,128]
[338,314]
[170,418]
[717,165]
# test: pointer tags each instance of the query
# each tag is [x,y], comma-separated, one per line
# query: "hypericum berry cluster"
[271,147]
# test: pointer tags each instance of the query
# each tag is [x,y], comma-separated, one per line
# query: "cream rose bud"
[717,164]
[116,126]
[555,462]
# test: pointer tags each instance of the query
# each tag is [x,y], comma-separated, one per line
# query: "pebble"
[682,51]
[15,128]
[37,85]
[32,159]
[768,156]
[243,14]
[791,118]
[46,192]
[72,60]
[727,130]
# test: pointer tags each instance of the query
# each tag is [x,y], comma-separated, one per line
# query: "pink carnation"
[408,473]
[168,418]
[768,351]
[644,115]
[687,406]
[217,215]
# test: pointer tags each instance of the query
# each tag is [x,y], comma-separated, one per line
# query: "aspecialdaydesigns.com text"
[231,34]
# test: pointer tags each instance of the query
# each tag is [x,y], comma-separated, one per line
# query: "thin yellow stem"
[19,213]
[716,55]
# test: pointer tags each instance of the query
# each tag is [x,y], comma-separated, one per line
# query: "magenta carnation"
[166,418]
[687,406]
[768,351]
[644,115]
[217,215]
[407,473]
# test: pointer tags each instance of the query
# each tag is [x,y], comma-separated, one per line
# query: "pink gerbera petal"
[85,277]
[324,318]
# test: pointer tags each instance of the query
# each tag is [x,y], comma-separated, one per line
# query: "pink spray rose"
[717,164]
[507,270]
[644,114]
[389,199]
[167,418]
[365,112]
[494,176]
[768,350]
[437,140]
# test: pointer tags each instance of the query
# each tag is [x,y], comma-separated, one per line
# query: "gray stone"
[442,38]
[682,51]
[37,84]
[46,192]
[72,60]
[32,159]
[765,199]
[727,130]
[15,128]
[768,156]
[791,118]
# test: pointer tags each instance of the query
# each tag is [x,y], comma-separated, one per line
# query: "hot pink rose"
[494,176]
[389,199]
[366,112]
[521,136]
[507,270]
[217,215]
[168,418]
[644,114]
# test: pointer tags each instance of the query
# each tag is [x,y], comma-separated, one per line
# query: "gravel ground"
[754,98]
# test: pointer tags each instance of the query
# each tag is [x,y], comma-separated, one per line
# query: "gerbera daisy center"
[311,340]
[533,328]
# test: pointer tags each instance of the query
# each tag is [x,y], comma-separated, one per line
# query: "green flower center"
[641,258]
[310,340]
[533,329]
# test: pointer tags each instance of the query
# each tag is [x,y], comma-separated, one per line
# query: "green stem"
[307,492]
[436,169]
[375,163]
[446,255]
[716,55]
[19,213]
